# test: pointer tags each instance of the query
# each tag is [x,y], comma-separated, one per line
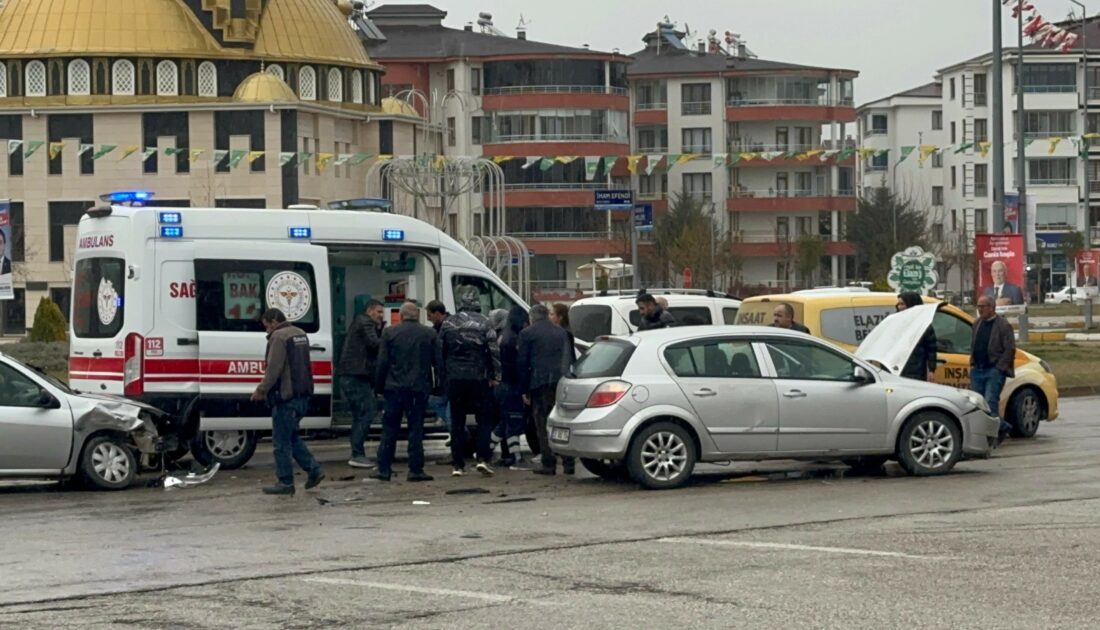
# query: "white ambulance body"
[166,304]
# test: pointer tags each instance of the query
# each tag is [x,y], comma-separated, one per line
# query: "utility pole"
[998,122]
[1021,162]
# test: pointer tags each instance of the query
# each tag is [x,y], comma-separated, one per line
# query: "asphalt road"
[1010,542]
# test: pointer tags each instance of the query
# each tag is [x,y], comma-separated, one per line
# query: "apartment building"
[706,98]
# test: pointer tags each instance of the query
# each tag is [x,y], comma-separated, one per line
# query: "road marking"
[791,547]
[485,597]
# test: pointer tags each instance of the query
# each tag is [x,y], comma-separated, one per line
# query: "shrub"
[53,357]
[49,323]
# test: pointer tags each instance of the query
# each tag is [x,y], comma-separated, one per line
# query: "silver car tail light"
[608,394]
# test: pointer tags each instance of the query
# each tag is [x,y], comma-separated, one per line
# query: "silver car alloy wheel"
[110,462]
[664,456]
[226,444]
[1029,414]
[931,443]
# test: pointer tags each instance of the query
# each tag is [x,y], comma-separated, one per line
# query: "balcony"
[981,190]
[652,150]
[1094,234]
[526,195]
[557,137]
[698,149]
[556,186]
[1056,181]
[876,132]
[759,147]
[1094,188]
[556,89]
[772,200]
[695,108]
[650,107]
[876,168]
[1049,89]
[768,243]
[980,99]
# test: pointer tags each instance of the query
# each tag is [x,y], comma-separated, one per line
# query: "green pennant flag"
[720,160]
[885,152]
[673,160]
[734,158]
[1027,142]
[845,154]
[546,164]
[963,147]
[31,147]
[219,156]
[360,158]
[609,162]
[905,151]
[84,148]
[285,157]
[303,157]
[104,149]
[148,153]
[171,151]
[13,146]
[235,157]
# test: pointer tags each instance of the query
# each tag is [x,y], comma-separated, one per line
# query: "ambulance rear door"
[235,282]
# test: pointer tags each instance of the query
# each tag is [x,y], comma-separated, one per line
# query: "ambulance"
[166,305]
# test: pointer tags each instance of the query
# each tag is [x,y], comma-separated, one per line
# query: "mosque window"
[99,76]
[276,71]
[168,79]
[307,83]
[36,78]
[145,77]
[80,78]
[208,79]
[187,77]
[335,85]
[356,87]
[55,77]
[122,78]
[3,80]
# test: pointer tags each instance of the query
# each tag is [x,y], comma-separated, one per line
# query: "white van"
[166,305]
[615,312]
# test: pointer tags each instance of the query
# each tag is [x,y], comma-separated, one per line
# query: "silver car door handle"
[794,393]
[705,392]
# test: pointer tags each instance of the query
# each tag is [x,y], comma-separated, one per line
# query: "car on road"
[50,431]
[616,313]
[653,405]
[1070,295]
[847,318]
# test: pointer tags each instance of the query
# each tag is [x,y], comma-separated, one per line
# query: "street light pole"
[713,227]
[998,121]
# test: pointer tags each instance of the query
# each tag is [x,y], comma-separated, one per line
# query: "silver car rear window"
[606,358]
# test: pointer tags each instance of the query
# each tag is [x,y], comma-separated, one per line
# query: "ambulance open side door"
[236,281]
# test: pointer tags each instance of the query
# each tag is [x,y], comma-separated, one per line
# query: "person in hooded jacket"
[922,363]
[511,420]
[469,361]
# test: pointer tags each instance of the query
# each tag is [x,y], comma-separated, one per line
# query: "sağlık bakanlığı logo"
[289,292]
[107,302]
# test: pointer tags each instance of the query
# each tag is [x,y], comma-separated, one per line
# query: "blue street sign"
[643,217]
[614,200]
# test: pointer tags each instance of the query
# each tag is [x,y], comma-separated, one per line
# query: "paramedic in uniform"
[287,386]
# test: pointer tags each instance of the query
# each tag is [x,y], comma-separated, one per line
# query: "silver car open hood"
[892,341]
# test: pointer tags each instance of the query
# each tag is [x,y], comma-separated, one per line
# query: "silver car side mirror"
[862,376]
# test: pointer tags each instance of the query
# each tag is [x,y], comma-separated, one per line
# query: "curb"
[1078,392]
[1034,336]
[1082,337]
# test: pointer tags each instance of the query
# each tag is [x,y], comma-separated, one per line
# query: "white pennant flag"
[13,146]
[651,163]
[591,165]
[531,161]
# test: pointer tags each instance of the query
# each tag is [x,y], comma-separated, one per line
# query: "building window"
[145,77]
[1050,171]
[937,195]
[3,80]
[652,139]
[357,87]
[187,77]
[1045,124]
[937,233]
[208,79]
[695,99]
[122,78]
[451,80]
[475,81]
[981,130]
[981,180]
[696,141]
[951,85]
[954,181]
[18,243]
[954,220]
[479,129]
[981,226]
[36,78]
[77,126]
[100,72]
[80,78]
[880,125]
[307,83]
[277,71]
[937,159]
[61,297]
[952,132]
[61,214]
[782,139]
[937,119]
[451,140]
[698,186]
[168,79]
[335,86]
[879,163]
[653,186]
[980,90]
[11,126]
[1049,77]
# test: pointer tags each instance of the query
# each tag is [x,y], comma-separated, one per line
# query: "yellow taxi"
[846,316]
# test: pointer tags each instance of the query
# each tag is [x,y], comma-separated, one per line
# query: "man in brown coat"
[992,357]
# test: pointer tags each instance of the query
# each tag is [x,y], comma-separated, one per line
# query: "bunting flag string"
[84,148]
[591,165]
[128,151]
[55,149]
[194,154]
[13,146]
[219,156]
[905,151]
[148,153]
[323,160]
[285,157]
[30,148]
[104,149]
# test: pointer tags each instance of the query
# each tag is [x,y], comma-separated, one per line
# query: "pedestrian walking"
[559,316]
[405,362]
[357,370]
[783,317]
[653,315]
[511,420]
[922,362]
[470,362]
[992,358]
[545,355]
[287,387]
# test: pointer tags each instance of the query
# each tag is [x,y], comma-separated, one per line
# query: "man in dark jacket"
[545,355]
[922,363]
[653,316]
[356,369]
[405,364]
[992,357]
[783,317]
[287,386]
[469,360]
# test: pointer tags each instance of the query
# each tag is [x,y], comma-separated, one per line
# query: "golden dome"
[308,31]
[37,28]
[398,107]
[263,87]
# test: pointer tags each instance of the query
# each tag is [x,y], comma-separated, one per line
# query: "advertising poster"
[1088,267]
[1012,213]
[6,292]
[1000,273]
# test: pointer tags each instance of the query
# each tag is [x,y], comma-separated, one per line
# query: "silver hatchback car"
[653,405]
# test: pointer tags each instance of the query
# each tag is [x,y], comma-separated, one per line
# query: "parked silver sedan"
[654,404]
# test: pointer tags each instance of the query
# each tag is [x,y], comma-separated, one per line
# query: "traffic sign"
[614,200]
[643,217]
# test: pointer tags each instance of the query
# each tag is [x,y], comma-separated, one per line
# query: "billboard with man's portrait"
[1088,268]
[1000,273]
[6,290]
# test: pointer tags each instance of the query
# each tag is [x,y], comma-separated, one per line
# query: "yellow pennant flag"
[565,159]
[194,154]
[687,157]
[632,163]
[253,156]
[500,159]
[323,159]
[927,150]
[1090,136]
[440,162]
[865,153]
[56,148]
[128,151]
[809,154]
[748,157]
[1053,145]
[983,147]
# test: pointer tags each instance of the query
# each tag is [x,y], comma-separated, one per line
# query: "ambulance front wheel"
[231,449]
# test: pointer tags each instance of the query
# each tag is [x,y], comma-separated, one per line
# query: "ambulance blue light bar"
[171,218]
[300,232]
[128,196]
[393,235]
[171,231]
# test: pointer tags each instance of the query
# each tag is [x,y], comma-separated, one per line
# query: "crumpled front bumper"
[979,433]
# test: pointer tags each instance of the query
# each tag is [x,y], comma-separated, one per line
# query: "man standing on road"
[470,361]
[287,386]
[356,370]
[993,357]
[653,316]
[545,354]
[405,364]
[783,317]
[437,402]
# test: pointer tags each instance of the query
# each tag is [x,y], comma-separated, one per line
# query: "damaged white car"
[50,431]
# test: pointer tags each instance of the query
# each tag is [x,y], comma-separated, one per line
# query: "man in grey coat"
[992,357]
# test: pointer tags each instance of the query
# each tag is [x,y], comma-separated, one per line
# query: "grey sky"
[894,44]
